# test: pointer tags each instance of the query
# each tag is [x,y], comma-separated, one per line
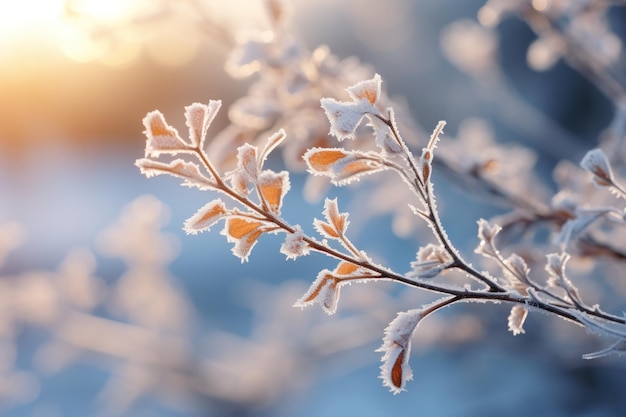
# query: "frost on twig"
[256,196]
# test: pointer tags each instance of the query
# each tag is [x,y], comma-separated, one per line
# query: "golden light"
[28,17]
[55,23]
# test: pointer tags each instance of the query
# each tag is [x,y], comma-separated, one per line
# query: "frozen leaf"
[383,136]
[273,187]
[272,142]
[431,260]
[206,217]
[336,223]
[367,89]
[347,268]
[342,166]
[596,162]
[518,272]
[295,245]
[516,319]
[486,231]
[395,370]
[162,138]
[198,118]
[322,160]
[244,233]
[353,167]
[324,290]
[247,161]
[556,264]
[556,269]
[345,117]
[188,171]
[487,234]
[239,180]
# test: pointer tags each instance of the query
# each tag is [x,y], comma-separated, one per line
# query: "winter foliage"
[257,194]
[310,117]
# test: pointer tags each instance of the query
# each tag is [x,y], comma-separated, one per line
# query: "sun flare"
[28,17]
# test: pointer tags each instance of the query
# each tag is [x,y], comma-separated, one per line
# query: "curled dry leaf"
[516,319]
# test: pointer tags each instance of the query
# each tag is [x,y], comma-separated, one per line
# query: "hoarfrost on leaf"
[516,319]
[395,370]
[596,162]
[161,137]
[366,89]
[324,290]
[198,118]
[431,261]
[295,245]
[273,187]
[345,117]
[205,217]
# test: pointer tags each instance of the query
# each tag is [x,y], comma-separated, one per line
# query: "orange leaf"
[326,229]
[322,159]
[396,370]
[205,217]
[273,188]
[237,228]
[346,268]
[338,220]
[321,285]
[157,126]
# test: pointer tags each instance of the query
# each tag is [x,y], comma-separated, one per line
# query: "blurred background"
[153,322]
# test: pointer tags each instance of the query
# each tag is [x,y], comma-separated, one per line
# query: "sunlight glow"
[25,17]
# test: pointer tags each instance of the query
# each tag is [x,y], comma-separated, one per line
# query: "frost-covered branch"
[257,194]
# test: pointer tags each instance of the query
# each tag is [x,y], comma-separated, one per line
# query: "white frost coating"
[324,291]
[384,138]
[295,245]
[596,162]
[274,186]
[205,217]
[366,89]
[272,142]
[395,370]
[556,268]
[345,117]
[198,118]
[247,161]
[161,137]
[189,171]
[516,319]
[431,260]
